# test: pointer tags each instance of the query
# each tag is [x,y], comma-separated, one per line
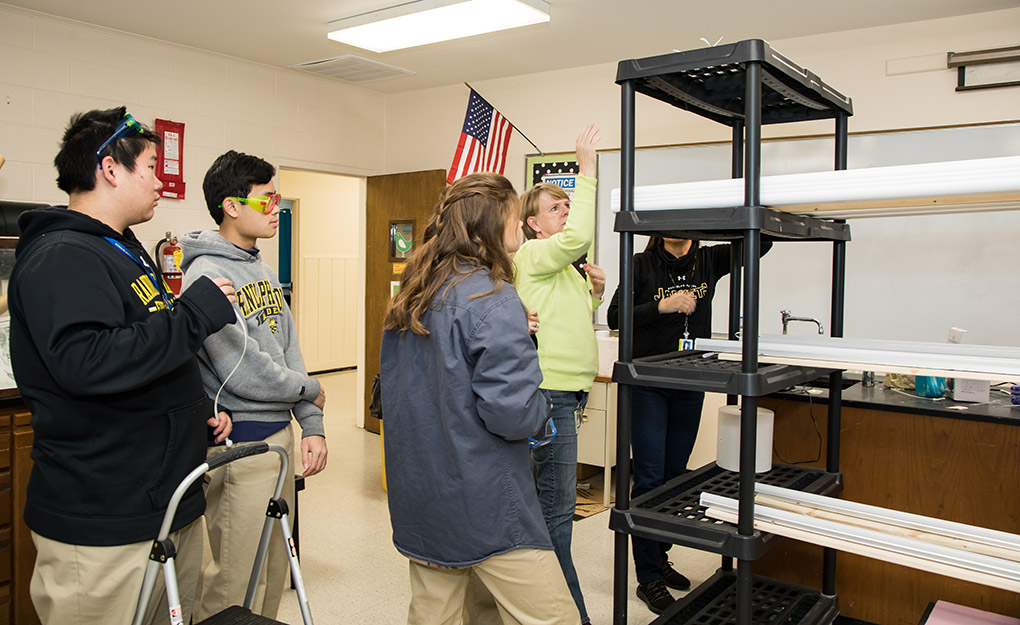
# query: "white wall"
[896,76]
[552,107]
[52,68]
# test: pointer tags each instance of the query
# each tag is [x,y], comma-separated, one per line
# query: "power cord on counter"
[814,422]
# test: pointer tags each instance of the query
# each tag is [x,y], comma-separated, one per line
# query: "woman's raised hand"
[585,146]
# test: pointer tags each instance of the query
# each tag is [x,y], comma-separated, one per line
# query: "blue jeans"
[664,426]
[555,468]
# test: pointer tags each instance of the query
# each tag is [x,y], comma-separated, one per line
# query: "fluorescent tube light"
[422,22]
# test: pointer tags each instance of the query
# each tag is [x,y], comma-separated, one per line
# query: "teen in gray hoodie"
[270,382]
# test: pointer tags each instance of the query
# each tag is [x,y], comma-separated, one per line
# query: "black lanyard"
[669,270]
[145,267]
[669,274]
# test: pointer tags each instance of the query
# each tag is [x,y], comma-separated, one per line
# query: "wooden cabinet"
[17,553]
[23,549]
[6,515]
[596,439]
[953,468]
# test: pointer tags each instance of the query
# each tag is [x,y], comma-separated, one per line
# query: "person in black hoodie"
[104,357]
[674,281]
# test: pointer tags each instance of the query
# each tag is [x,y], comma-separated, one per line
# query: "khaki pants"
[479,606]
[79,585]
[235,511]
[527,584]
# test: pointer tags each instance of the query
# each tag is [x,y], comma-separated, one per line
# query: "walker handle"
[236,452]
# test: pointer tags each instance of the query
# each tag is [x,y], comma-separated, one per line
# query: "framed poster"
[558,169]
[401,239]
[6,370]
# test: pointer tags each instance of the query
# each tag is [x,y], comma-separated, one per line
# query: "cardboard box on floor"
[589,491]
[585,471]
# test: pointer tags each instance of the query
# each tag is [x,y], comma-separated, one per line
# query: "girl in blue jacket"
[460,398]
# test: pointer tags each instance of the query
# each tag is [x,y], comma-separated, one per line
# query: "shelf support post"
[736,263]
[835,378]
[749,338]
[623,391]
[736,249]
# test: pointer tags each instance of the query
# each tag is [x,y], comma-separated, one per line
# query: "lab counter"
[908,453]
[878,397]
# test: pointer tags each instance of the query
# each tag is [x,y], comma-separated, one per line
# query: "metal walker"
[163,551]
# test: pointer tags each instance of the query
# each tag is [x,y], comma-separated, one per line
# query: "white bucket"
[728,443]
[609,350]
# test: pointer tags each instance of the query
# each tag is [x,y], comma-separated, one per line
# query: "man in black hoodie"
[104,357]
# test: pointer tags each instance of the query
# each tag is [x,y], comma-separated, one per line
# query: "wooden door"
[411,196]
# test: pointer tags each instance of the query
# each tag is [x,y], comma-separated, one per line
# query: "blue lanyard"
[145,267]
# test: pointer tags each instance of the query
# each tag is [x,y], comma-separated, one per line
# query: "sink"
[823,382]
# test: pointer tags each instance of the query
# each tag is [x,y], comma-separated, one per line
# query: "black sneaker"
[655,595]
[674,580]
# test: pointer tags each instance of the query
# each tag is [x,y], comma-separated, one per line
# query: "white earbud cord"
[216,400]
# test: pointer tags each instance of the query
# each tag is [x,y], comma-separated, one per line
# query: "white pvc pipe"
[889,542]
[918,522]
[914,347]
[942,356]
[900,182]
[867,551]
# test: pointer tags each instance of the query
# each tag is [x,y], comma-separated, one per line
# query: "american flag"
[483,140]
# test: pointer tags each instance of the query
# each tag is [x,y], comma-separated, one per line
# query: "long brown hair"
[467,230]
[655,241]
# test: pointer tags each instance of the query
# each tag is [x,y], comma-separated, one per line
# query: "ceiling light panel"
[422,22]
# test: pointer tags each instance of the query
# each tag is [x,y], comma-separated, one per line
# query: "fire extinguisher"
[168,255]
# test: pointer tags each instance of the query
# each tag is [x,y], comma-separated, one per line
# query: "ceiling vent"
[353,68]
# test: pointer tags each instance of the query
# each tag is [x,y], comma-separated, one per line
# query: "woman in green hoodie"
[554,279]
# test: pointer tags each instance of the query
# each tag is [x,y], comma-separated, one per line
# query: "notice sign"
[563,181]
[560,170]
[170,167]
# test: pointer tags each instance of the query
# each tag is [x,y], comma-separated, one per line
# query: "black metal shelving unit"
[704,371]
[772,602]
[742,85]
[672,514]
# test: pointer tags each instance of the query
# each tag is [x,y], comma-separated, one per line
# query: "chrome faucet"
[787,318]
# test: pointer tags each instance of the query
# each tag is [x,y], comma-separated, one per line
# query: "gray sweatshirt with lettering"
[271,381]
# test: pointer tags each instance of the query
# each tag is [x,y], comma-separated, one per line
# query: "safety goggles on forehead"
[127,128]
[263,203]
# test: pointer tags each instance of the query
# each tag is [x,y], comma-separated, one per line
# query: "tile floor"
[352,572]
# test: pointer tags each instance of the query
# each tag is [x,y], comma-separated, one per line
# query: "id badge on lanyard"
[686,343]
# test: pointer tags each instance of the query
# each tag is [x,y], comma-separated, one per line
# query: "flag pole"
[540,152]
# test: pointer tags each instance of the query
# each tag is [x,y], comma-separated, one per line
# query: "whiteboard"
[907,278]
